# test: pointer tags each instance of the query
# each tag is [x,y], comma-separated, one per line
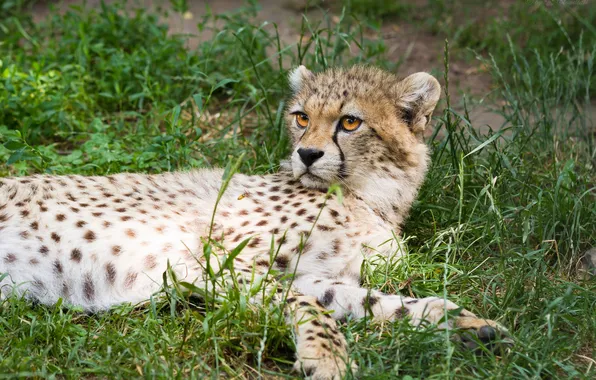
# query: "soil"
[419,49]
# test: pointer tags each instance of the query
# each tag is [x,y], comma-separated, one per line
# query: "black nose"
[309,156]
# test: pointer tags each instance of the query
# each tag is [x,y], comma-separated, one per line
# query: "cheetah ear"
[418,95]
[298,76]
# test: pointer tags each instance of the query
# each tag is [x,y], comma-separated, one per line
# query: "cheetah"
[95,242]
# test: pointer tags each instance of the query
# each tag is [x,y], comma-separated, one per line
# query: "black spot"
[88,288]
[401,312]
[75,255]
[342,166]
[370,301]
[327,298]
[110,273]
[130,279]
[89,236]
[58,267]
[254,242]
[38,284]
[282,262]
[408,115]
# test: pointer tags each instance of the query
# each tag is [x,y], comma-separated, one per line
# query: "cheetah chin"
[95,242]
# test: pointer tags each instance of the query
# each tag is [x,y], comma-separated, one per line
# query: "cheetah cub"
[99,241]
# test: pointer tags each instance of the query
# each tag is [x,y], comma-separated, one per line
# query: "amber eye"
[302,120]
[350,123]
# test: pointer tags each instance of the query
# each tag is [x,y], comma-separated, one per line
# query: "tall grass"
[499,225]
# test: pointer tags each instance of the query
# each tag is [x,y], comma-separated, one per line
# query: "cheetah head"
[350,125]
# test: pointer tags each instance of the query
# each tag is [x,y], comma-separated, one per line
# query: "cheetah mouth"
[311,180]
[308,174]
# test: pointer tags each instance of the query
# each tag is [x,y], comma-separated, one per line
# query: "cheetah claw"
[478,333]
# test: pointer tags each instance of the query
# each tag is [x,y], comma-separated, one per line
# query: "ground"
[408,42]
[500,226]
[417,48]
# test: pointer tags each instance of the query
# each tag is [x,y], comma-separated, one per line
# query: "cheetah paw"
[319,364]
[478,332]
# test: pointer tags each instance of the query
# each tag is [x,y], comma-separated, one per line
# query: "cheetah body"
[99,241]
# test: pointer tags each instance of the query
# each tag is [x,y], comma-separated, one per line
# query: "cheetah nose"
[309,156]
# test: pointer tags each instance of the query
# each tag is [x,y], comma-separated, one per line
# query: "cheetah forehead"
[349,83]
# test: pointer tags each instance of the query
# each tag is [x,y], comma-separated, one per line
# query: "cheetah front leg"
[344,297]
[321,349]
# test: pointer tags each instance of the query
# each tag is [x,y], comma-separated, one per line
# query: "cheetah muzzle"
[100,241]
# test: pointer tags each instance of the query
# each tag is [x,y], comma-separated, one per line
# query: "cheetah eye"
[301,119]
[350,123]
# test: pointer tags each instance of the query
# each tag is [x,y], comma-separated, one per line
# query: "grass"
[538,27]
[375,10]
[499,226]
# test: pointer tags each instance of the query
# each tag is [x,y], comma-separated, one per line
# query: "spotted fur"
[100,241]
